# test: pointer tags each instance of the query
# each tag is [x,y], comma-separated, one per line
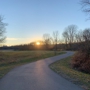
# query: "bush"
[81,61]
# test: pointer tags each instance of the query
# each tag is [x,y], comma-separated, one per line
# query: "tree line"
[72,39]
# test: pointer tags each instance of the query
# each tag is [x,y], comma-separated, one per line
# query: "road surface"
[37,76]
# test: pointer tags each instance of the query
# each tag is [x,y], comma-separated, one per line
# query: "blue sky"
[28,20]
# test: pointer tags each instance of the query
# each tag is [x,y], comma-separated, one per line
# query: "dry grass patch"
[9,60]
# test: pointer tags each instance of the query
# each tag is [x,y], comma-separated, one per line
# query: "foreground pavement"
[37,76]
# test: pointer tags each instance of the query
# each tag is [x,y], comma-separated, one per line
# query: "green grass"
[63,68]
[9,60]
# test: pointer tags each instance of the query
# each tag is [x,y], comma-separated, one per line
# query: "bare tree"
[86,38]
[79,37]
[69,34]
[86,34]
[47,40]
[85,5]
[55,40]
[65,36]
[2,29]
[83,39]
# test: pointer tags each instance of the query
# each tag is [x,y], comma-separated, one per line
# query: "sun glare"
[38,43]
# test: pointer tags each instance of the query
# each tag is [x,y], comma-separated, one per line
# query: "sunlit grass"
[64,68]
[9,60]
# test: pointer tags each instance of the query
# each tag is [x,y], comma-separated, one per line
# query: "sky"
[28,20]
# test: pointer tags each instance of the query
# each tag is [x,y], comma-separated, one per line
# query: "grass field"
[11,59]
[64,69]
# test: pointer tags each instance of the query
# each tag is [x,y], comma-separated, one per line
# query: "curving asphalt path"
[37,76]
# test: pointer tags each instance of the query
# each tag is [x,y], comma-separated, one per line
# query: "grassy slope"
[63,68]
[9,60]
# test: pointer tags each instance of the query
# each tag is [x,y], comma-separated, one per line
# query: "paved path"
[37,76]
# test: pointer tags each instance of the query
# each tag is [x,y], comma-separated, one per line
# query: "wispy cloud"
[17,41]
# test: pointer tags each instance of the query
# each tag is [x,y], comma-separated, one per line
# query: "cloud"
[11,39]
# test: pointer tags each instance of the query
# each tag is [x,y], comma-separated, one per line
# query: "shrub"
[81,61]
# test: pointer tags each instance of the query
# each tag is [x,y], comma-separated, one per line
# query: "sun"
[38,43]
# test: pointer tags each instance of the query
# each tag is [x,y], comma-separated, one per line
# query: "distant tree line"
[72,39]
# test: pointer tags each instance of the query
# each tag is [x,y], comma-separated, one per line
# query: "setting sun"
[38,43]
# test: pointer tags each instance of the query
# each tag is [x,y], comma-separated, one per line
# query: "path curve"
[37,76]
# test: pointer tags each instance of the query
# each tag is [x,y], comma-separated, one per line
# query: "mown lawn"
[63,68]
[11,59]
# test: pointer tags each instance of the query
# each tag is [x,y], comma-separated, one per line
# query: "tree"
[86,39]
[69,34]
[83,39]
[86,6]
[55,40]
[86,34]
[65,35]
[2,29]
[85,3]
[47,40]
[79,37]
